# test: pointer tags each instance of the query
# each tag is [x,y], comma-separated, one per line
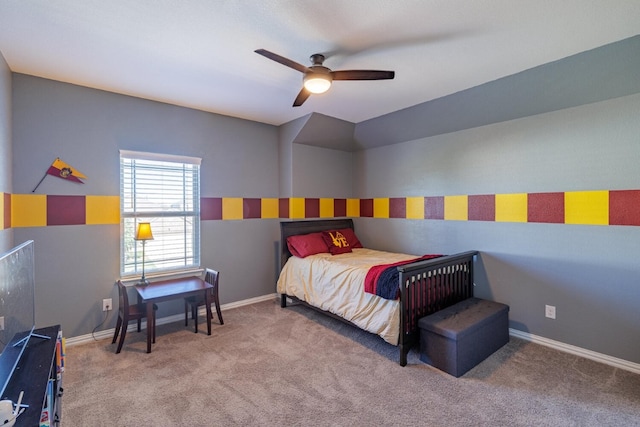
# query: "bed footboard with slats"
[429,286]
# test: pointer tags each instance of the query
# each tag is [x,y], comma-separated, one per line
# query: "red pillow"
[336,241]
[352,239]
[304,245]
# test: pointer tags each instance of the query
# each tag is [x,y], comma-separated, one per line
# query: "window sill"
[165,275]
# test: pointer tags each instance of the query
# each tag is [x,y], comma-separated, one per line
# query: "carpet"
[268,366]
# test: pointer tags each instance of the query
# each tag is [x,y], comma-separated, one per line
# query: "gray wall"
[6,235]
[590,273]
[321,172]
[76,266]
[307,170]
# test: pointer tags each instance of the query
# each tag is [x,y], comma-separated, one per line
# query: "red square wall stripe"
[283,208]
[366,208]
[339,207]
[7,210]
[482,208]
[210,208]
[398,207]
[624,207]
[434,207]
[66,210]
[312,208]
[251,208]
[545,207]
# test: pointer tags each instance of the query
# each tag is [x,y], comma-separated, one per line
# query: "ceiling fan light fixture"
[317,83]
[317,78]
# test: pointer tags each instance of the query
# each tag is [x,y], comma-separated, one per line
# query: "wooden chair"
[192,303]
[127,313]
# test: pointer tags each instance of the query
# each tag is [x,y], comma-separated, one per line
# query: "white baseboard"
[557,345]
[108,333]
[577,351]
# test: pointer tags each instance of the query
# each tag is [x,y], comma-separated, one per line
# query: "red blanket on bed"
[382,280]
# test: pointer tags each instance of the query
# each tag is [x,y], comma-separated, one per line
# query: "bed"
[334,284]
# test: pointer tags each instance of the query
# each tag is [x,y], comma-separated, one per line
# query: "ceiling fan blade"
[362,75]
[302,96]
[282,60]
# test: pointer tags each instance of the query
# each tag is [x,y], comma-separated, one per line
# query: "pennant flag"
[62,170]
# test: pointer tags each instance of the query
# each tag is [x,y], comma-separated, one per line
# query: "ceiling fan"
[317,78]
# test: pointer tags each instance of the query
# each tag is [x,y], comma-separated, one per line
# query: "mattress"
[335,283]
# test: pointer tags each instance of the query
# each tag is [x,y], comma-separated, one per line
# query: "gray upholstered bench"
[459,337]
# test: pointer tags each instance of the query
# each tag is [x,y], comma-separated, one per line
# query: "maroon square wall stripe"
[434,207]
[624,207]
[482,207]
[251,208]
[545,207]
[398,207]
[366,208]
[66,210]
[283,208]
[340,207]
[7,210]
[210,208]
[311,208]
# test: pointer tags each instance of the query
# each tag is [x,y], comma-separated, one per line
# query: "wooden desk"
[172,289]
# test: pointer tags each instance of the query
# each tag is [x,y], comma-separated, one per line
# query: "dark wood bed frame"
[425,286]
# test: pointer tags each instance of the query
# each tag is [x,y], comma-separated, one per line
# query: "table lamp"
[144,233]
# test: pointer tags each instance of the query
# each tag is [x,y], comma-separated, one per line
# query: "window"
[163,190]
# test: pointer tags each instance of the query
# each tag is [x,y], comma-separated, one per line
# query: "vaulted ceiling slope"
[604,73]
[200,53]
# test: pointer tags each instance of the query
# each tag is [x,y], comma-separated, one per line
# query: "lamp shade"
[144,231]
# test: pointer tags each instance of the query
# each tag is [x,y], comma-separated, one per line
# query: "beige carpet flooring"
[268,366]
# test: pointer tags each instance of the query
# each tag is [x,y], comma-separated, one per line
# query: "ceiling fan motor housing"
[317,59]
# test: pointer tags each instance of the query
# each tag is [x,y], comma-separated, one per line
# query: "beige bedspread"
[335,283]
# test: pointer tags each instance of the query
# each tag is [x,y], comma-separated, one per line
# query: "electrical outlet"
[1,323]
[107,304]
[550,311]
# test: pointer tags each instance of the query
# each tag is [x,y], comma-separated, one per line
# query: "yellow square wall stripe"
[28,210]
[381,208]
[511,207]
[102,210]
[415,207]
[326,208]
[232,208]
[456,208]
[269,208]
[296,207]
[586,207]
[353,208]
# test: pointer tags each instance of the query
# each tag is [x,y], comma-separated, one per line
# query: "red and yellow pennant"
[62,170]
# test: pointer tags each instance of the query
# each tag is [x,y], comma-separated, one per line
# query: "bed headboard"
[293,228]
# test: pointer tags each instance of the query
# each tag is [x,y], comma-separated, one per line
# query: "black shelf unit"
[36,366]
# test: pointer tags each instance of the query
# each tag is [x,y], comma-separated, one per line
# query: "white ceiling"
[200,53]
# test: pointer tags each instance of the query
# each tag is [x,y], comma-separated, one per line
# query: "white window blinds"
[164,191]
